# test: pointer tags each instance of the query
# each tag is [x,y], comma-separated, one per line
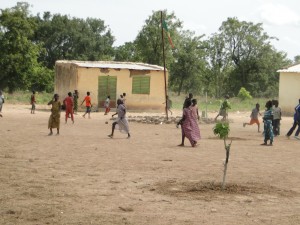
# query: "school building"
[144,84]
[289,89]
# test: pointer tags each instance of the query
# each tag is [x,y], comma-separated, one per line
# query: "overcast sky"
[125,18]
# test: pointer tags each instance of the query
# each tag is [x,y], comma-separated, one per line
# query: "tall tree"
[18,54]
[248,46]
[149,40]
[127,52]
[73,39]
[219,66]
[189,64]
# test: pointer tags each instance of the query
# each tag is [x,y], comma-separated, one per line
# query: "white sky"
[125,18]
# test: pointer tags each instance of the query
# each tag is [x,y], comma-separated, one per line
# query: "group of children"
[70,105]
[271,120]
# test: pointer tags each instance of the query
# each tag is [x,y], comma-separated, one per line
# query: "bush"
[244,94]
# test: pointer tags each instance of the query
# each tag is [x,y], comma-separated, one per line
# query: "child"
[32,102]
[88,104]
[223,109]
[69,103]
[121,121]
[124,98]
[296,123]
[254,117]
[54,120]
[195,109]
[268,129]
[107,105]
[276,118]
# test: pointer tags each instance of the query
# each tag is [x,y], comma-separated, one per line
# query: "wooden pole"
[164,60]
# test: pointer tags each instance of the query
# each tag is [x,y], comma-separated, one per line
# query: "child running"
[254,117]
[224,109]
[107,104]
[88,105]
[121,120]
[69,103]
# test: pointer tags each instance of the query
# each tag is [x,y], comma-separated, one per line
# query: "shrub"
[244,94]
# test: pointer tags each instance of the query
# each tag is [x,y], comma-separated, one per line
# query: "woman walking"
[189,125]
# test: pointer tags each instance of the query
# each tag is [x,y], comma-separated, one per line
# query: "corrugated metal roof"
[292,69]
[113,65]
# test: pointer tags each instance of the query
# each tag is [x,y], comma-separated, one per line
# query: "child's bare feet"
[181,145]
[50,134]
[111,136]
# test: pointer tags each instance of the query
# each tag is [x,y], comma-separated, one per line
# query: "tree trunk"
[180,85]
[227,148]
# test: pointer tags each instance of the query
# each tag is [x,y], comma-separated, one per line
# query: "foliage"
[189,62]
[148,42]
[72,38]
[244,94]
[221,130]
[238,55]
[18,54]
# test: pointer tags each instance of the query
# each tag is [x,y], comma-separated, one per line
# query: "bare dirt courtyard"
[84,177]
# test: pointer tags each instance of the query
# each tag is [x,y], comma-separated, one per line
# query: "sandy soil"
[84,177]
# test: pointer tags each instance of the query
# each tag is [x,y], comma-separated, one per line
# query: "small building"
[289,89]
[143,84]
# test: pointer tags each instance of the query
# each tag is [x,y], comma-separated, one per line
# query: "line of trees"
[238,55]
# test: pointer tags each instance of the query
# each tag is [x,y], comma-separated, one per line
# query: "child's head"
[56,96]
[69,94]
[119,101]
[276,103]
[190,95]
[88,93]
[108,96]
[124,94]
[226,96]
[33,92]
[194,101]
[257,106]
[188,103]
[269,104]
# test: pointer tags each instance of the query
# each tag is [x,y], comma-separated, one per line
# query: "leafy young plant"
[244,94]
[222,131]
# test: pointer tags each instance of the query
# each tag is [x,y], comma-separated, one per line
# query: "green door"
[107,85]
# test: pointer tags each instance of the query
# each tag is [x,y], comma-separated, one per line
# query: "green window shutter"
[141,85]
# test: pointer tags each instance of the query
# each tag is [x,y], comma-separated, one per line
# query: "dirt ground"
[84,177]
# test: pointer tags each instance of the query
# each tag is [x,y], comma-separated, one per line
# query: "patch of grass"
[213,104]
[23,97]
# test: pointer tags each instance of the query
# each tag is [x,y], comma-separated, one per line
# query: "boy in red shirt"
[69,103]
[88,104]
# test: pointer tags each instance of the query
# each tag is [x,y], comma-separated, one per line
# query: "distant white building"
[289,89]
